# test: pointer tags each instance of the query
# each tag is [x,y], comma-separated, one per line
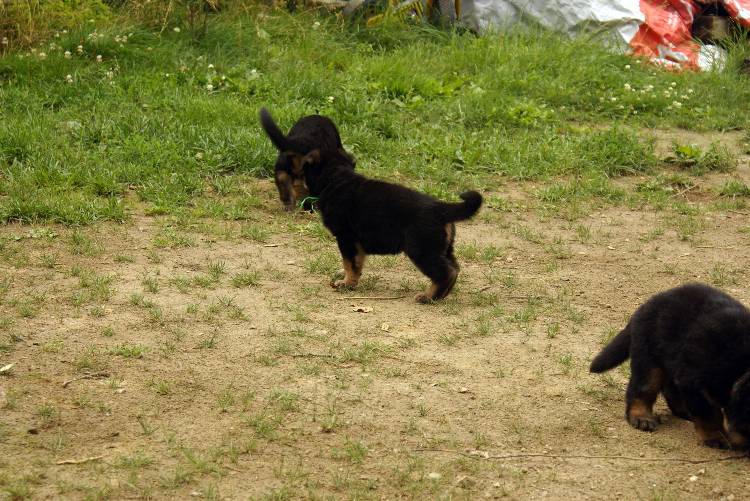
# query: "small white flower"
[621,107]
[690,91]
[98,58]
[684,96]
[176,29]
[5,41]
[199,156]
[627,66]
[676,104]
[166,75]
[210,66]
[673,84]
[79,49]
[69,79]
[67,54]
[42,55]
[110,74]
[316,25]
[65,31]
[149,48]
[613,99]
[635,112]
[627,86]
[223,78]
[209,87]
[330,99]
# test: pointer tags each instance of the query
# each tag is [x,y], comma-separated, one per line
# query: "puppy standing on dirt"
[691,343]
[374,217]
[310,132]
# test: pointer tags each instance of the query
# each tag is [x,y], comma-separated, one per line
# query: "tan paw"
[342,285]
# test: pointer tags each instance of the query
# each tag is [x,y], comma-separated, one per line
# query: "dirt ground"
[188,357]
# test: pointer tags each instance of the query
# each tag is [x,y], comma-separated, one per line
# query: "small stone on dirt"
[6,368]
[385,327]
[434,476]
[362,309]
[693,478]
[463,389]
[465,482]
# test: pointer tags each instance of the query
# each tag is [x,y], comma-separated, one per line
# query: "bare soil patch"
[221,366]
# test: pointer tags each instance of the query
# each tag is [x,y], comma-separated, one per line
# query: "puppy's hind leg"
[643,388]
[354,259]
[441,270]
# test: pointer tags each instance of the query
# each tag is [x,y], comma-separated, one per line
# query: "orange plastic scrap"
[665,36]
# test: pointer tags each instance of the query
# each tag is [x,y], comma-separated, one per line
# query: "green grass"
[474,108]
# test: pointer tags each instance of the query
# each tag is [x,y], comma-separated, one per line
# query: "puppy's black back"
[308,133]
[385,218]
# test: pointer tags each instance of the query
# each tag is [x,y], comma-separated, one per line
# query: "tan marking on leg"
[450,232]
[640,413]
[711,432]
[352,270]
[428,295]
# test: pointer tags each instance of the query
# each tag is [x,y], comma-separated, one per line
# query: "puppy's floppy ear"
[312,158]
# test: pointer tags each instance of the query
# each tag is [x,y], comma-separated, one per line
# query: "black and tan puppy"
[692,344]
[308,133]
[374,217]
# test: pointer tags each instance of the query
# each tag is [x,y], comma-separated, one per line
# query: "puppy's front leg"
[354,259]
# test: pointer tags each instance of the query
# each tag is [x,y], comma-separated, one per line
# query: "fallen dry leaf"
[6,368]
[362,309]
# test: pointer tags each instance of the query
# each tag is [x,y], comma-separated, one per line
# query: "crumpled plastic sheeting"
[657,29]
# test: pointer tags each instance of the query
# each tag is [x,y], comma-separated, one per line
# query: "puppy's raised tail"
[615,353]
[472,200]
[274,133]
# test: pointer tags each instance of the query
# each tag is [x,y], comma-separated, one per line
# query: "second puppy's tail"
[615,353]
[277,137]
[472,200]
